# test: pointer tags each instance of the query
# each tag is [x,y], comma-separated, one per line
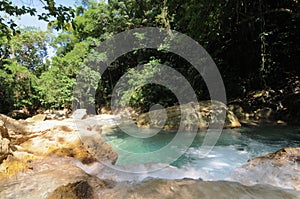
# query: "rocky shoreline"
[48,154]
[191,116]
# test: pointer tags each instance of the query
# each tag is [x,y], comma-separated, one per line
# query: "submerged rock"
[281,168]
[195,116]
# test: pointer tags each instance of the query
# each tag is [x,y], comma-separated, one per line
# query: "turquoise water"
[233,148]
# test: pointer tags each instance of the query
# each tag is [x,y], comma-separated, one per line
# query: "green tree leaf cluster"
[255,45]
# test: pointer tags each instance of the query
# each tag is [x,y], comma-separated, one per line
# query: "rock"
[281,168]
[14,127]
[126,112]
[270,104]
[231,121]
[79,114]
[282,156]
[4,142]
[195,115]
[265,113]
[3,130]
[46,175]
[105,110]
[12,165]
[81,139]
[96,146]
[38,117]
[238,111]
[65,185]
[4,149]
[25,141]
[280,122]
[18,114]
[76,190]
[58,140]
[190,189]
[291,104]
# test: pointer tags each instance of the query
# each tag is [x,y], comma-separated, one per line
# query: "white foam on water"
[119,173]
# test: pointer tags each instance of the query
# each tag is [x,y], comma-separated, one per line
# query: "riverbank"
[270,106]
[57,160]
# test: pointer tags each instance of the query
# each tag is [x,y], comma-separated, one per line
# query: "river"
[232,150]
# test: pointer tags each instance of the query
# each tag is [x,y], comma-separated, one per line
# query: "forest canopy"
[255,45]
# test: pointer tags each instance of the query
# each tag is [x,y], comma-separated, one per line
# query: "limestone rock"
[3,130]
[45,176]
[79,114]
[38,117]
[40,139]
[190,189]
[96,146]
[14,126]
[4,149]
[195,116]
[281,168]
[58,140]
[282,156]
[4,142]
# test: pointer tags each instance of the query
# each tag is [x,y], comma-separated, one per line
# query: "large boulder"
[41,177]
[281,168]
[195,116]
[79,114]
[14,126]
[83,143]
[22,142]
[4,142]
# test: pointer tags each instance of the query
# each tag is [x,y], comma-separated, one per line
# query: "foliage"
[8,27]
[56,84]
[21,63]
[135,90]
[255,45]
[29,49]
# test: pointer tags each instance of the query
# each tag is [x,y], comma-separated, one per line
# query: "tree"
[30,48]
[63,15]
[55,86]
[20,67]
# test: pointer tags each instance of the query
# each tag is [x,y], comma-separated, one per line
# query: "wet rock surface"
[281,168]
